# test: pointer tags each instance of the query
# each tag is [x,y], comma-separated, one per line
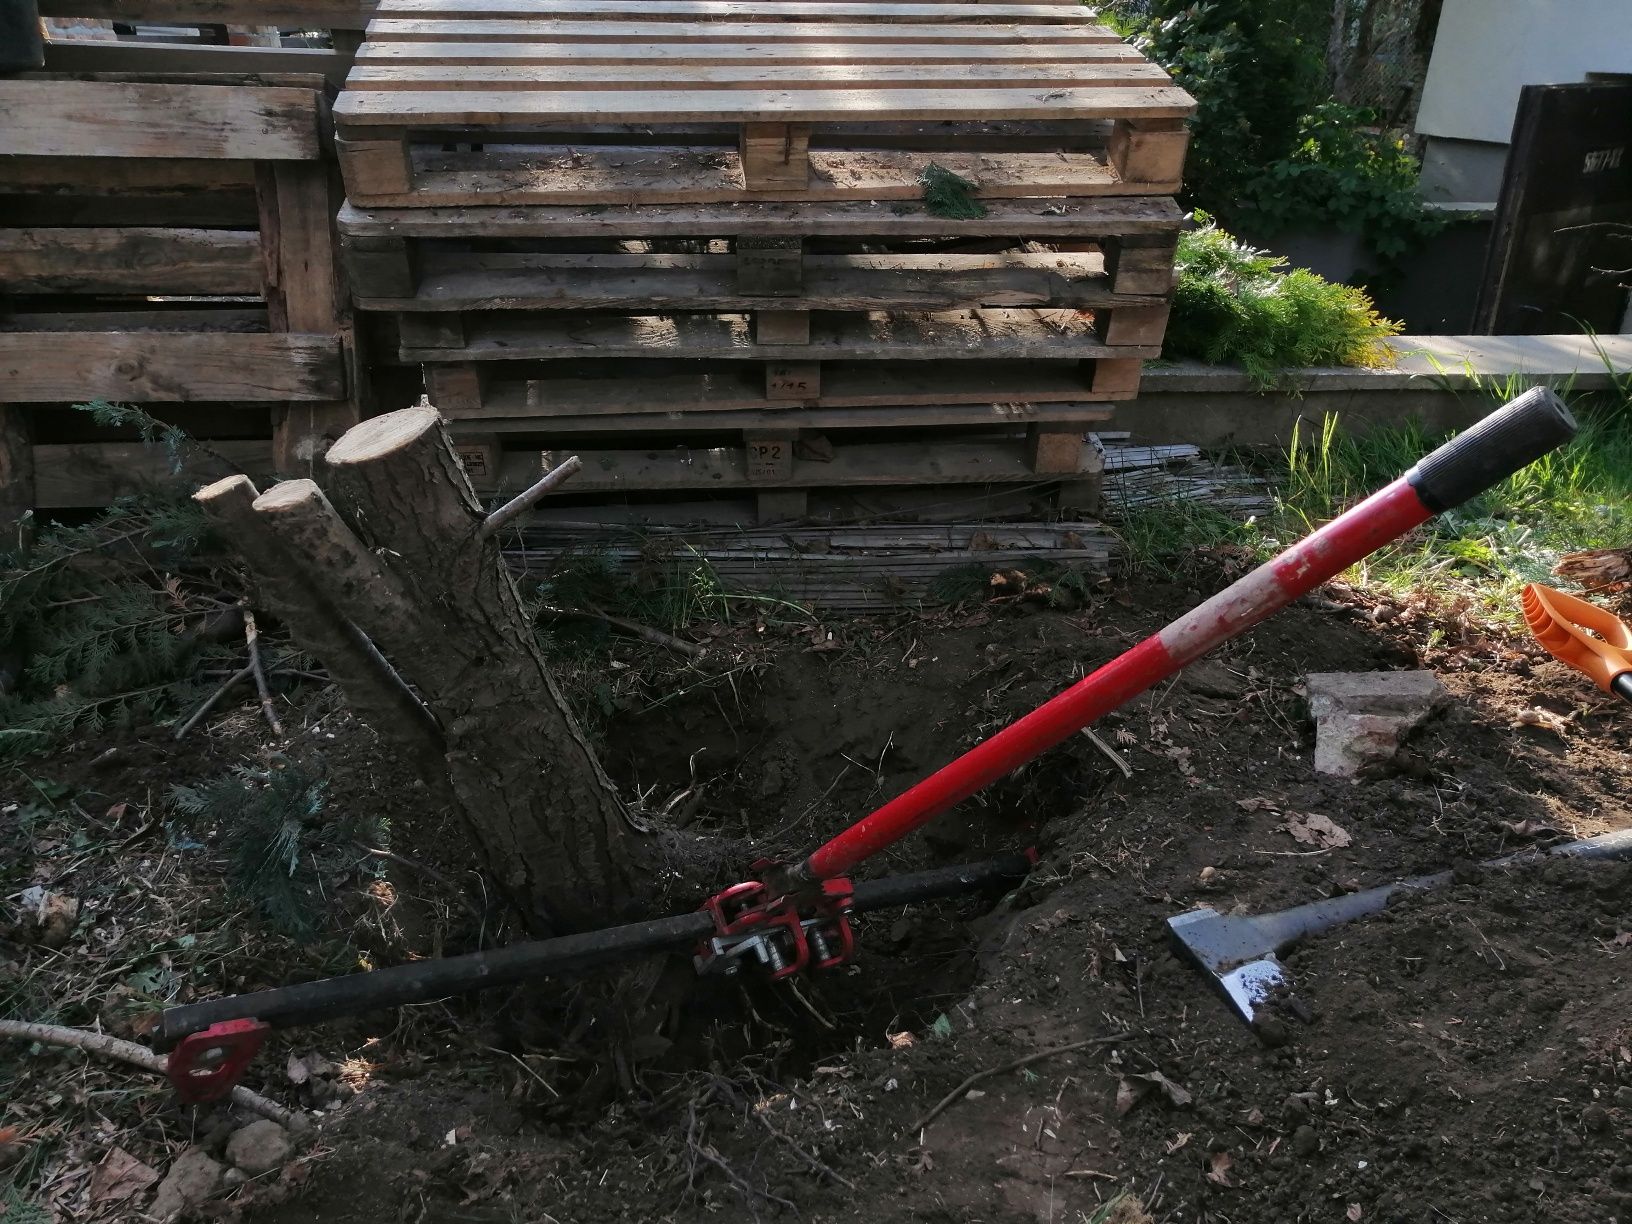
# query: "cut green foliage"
[949,195]
[274,828]
[1237,304]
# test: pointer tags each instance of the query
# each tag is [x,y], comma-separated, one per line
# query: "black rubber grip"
[1621,686]
[1507,440]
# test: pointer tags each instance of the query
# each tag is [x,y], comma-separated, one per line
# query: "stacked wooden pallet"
[167,242]
[690,238]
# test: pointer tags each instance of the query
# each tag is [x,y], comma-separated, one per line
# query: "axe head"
[1234,954]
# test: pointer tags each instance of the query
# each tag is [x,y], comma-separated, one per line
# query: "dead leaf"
[1256,804]
[900,1041]
[120,1176]
[1179,1140]
[1132,1089]
[1353,1213]
[1218,1169]
[1256,1117]
[1313,829]
[297,1070]
[1534,716]
[1623,940]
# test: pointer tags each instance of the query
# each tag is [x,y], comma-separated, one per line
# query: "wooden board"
[737,10]
[918,26]
[94,473]
[661,74]
[58,118]
[68,367]
[375,55]
[742,387]
[1000,460]
[451,282]
[983,335]
[943,100]
[130,55]
[751,421]
[611,177]
[296,14]
[1086,219]
[142,260]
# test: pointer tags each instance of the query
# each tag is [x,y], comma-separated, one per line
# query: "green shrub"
[1236,304]
[1346,172]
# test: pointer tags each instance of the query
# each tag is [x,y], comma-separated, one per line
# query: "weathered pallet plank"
[361,108]
[660,75]
[709,282]
[57,118]
[68,475]
[999,460]
[388,54]
[586,175]
[983,335]
[544,31]
[472,392]
[68,367]
[740,10]
[1085,218]
[750,420]
[297,14]
[132,259]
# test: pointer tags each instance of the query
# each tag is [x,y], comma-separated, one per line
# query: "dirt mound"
[1468,1056]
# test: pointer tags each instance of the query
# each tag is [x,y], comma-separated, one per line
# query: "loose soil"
[1466,1056]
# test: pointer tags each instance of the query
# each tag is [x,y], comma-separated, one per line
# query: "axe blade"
[1235,953]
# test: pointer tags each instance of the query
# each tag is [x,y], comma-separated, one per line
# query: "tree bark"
[399,552]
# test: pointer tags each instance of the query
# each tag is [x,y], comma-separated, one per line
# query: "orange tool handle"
[1560,623]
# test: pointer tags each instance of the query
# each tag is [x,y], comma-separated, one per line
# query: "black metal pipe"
[422,981]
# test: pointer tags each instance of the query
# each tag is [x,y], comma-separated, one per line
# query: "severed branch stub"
[523,502]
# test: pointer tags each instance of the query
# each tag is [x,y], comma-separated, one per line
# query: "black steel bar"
[422,981]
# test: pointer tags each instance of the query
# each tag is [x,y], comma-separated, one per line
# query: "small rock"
[259,1147]
[1595,1119]
[1361,718]
[1304,1141]
[192,1180]
[233,1178]
[1623,1096]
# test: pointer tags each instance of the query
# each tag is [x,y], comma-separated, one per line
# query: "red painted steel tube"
[1467,465]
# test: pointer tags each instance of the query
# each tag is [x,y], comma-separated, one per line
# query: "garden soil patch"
[1467,1055]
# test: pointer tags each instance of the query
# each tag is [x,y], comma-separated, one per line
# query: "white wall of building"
[1486,50]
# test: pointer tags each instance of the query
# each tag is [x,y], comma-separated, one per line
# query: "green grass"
[1577,498]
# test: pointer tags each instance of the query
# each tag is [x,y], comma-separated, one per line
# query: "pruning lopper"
[1582,635]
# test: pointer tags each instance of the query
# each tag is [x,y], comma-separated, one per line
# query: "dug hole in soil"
[1468,1056]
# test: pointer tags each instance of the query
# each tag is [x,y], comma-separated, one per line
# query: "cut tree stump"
[392,565]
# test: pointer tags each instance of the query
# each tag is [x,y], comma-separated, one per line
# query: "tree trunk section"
[396,550]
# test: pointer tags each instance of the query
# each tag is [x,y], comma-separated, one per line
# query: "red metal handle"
[1501,444]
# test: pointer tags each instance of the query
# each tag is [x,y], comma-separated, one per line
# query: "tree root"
[141,1056]
[956,1094]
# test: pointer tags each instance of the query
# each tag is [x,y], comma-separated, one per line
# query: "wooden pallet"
[698,101]
[470,284]
[548,391]
[171,244]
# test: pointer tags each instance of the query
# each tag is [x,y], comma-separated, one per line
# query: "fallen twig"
[952,1097]
[214,699]
[523,502]
[656,636]
[1115,756]
[140,1056]
[252,639]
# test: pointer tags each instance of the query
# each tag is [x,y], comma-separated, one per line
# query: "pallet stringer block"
[442,329]
[1053,449]
[1117,377]
[781,327]
[775,156]
[769,454]
[770,266]
[381,266]
[793,380]
[380,165]
[1148,150]
[454,388]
